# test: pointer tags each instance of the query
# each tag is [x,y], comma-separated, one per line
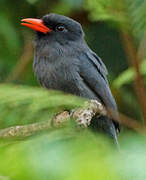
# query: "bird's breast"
[59,74]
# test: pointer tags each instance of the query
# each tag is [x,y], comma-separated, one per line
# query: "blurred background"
[115,30]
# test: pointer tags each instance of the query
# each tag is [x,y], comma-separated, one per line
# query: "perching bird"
[63,61]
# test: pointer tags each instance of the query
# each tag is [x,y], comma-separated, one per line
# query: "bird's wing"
[93,74]
[97,62]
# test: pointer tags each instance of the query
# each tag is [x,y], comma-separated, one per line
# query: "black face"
[63,28]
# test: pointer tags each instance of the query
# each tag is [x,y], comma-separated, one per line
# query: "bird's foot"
[84,118]
[96,107]
[84,115]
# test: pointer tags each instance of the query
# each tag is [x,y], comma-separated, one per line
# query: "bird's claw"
[83,117]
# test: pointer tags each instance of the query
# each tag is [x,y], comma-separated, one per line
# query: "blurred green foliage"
[84,156]
[21,105]
[127,14]
[68,153]
[64,153]
[128,75]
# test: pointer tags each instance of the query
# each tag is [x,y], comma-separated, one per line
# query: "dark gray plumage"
[63,61]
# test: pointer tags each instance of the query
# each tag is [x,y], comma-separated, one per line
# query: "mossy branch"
[82,116]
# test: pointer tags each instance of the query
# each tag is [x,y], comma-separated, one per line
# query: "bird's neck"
[58,49]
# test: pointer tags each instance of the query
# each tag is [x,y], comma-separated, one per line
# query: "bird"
[63,61]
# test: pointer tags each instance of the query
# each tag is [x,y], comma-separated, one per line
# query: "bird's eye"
[60,28]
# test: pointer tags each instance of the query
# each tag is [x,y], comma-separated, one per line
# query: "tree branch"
[135,59]
[81,115]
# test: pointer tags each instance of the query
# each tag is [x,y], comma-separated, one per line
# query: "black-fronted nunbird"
[63,61]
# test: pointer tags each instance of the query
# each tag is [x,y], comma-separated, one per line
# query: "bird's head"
[54,27]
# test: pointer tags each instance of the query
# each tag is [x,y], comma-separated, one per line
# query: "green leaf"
[103,10]
[22,104]
[128,76]
[128,14]
[56,156]
[136,11]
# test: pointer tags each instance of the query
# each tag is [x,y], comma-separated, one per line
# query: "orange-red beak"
[35,24]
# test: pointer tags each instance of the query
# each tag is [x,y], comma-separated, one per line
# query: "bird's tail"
[106,125]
